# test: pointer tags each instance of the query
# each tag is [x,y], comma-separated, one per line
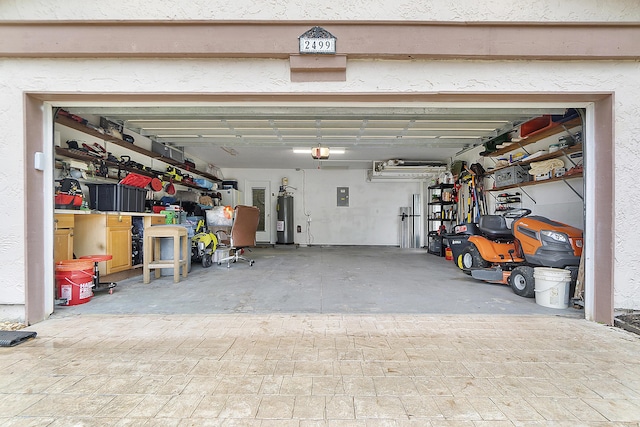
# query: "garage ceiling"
[265,136]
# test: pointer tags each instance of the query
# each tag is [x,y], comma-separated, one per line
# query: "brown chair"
[243,233]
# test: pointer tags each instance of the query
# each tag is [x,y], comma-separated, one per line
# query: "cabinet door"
[63,244]
[158,220]
[119,246]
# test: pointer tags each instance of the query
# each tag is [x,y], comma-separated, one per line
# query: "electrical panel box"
[343,196]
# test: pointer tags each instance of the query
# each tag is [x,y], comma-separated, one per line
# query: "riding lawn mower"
[508,255]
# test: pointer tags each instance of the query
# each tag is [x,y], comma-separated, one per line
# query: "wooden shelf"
[65,121]
[440,187]
[553,129]
[562,152]
[528,183]
[78,155]
[108,138]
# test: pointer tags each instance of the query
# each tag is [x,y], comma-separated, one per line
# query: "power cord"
[304,208]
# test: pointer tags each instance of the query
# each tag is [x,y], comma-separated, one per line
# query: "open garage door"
[349,126]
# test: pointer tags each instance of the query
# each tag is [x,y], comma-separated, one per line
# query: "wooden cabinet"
[156,220]
[98,234]
[63,237]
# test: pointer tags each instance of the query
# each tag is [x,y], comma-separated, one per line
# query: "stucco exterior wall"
[136,76]
[434,10]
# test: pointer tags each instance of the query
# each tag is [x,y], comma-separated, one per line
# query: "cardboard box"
[168,152]
[543,176]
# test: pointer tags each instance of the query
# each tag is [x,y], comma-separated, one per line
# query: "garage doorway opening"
[598,106]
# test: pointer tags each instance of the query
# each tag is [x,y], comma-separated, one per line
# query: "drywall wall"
[372,217]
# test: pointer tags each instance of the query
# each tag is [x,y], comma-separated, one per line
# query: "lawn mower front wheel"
[522,281]
[471,258]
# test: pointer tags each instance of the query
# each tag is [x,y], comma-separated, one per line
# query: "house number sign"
[317,40]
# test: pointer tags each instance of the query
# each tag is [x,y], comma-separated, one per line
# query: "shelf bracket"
[568,156]
[522,147]
[572,189]
[527,194]
[524,191]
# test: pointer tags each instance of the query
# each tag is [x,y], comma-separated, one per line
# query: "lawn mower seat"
[494,227]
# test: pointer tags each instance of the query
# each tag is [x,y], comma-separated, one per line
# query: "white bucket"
[552,287]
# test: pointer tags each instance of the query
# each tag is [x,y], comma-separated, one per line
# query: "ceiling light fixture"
[332,150]
[320,153]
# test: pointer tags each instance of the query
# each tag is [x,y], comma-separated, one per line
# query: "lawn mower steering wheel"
[517,213]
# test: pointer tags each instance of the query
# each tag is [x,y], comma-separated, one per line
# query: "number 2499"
[317,45]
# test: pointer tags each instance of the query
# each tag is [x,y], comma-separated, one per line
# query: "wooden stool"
[97,284]
[151,251]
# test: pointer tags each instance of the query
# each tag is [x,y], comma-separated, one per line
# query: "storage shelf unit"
[551,130]
[528,183]
[563,152]
[129,146]
[441,211]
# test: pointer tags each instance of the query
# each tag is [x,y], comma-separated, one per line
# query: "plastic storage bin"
[204,183]
[512,175]
[116,197]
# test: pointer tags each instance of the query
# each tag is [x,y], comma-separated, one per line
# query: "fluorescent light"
[458,137]
[332,150]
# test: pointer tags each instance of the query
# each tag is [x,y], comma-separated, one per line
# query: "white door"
[259,194]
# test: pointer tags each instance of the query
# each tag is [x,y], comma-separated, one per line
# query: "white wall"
[370,219]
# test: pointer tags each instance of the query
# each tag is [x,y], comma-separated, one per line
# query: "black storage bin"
[230,184]
[435,244]
[116,197]
[132,198]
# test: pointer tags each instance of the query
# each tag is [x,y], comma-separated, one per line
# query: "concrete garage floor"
[320,337]
[336,279]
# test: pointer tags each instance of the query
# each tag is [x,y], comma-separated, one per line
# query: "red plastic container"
[74,280]
[535,125]
[68,201]
[448,254]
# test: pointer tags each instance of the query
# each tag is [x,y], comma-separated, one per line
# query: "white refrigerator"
[231,197]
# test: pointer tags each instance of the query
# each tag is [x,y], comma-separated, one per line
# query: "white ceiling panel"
[263,136]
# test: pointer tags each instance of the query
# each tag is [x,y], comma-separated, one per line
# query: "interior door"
[259,194]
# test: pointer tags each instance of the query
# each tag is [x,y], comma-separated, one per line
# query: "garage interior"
[321,276]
